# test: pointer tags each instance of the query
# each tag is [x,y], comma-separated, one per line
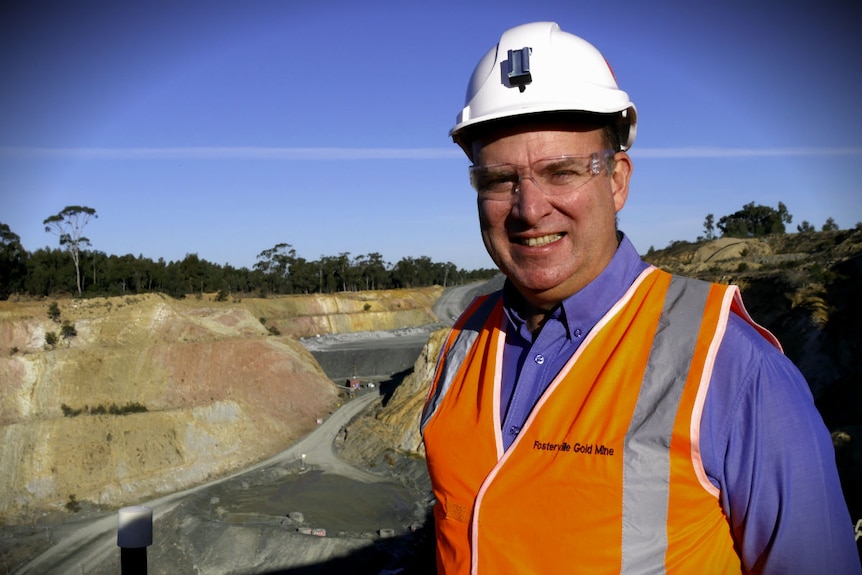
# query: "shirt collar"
[581,311]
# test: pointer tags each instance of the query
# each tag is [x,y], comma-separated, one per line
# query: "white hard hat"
[538,68]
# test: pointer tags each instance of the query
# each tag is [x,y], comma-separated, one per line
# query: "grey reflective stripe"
[451,363]
[646,453]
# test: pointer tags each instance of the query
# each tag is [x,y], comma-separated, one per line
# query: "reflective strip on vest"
[455,355]
[646,469]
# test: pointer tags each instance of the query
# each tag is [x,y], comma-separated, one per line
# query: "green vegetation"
[73,505]
[68,330]
[51,339]
[278,271]
[755,220]
[829,226]
[101,409]
[54,312]
[13,261]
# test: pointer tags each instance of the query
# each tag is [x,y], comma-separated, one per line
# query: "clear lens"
[554,176]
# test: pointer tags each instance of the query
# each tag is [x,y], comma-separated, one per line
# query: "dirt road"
[79,547]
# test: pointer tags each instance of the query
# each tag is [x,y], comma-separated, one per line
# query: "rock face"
[311,315]
[392,423]
[153,394]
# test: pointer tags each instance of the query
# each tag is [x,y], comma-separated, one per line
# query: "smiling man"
[547,218]
[598,415]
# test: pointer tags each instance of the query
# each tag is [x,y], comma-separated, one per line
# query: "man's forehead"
[539,134]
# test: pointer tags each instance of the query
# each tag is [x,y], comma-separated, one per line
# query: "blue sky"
[222,128]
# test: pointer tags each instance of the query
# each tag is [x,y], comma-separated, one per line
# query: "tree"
[755,220]
[69,225]
[275,265]
[68,331]
[784,215]
[51,339]
[54,312]
[303,276]
[709,227]
[804,227]
[830,225]
[13,262]
[191,273]
[372,270]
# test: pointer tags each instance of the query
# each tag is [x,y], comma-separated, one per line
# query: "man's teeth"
[541,241]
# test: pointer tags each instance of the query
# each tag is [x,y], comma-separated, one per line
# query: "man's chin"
[536,285]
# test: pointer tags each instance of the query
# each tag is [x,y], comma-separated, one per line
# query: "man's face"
[551,246]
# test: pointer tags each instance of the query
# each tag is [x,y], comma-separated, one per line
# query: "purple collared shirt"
[763,443]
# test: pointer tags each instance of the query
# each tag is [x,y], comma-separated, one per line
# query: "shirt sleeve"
[765,446]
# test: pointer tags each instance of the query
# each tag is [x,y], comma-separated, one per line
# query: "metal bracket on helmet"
[519,68]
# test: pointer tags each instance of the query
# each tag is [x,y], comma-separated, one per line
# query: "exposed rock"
[153,394]
[391,425]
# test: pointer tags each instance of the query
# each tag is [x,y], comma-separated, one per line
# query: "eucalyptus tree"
[275,266]
[69,226]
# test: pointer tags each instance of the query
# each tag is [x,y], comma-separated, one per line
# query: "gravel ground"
[291,515]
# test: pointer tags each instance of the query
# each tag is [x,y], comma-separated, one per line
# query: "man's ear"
[620,179]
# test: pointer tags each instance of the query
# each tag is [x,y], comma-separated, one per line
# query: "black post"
[133,561]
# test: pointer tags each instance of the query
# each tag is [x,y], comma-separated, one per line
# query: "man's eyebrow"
[491,168]
[562,160]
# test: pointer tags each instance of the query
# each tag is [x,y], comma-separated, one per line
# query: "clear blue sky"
[222,128]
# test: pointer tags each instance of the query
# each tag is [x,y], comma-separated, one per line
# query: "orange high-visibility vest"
[605,476]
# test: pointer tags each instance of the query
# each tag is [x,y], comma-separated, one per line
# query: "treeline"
[51,272]
[755,220]
[752,221]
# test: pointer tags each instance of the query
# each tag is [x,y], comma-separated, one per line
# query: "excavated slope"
[197,388]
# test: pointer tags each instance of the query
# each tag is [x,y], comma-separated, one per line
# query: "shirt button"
[539,359]
[514,430]
[577,333]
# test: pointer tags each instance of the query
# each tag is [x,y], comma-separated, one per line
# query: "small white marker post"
[134,535]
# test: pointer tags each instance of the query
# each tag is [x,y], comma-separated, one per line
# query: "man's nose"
[530,200]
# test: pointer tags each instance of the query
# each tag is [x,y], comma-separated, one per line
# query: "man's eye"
[495,183]
[561,175]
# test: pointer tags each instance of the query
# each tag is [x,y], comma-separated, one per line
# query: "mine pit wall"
[312,315]
[340,365]
[221,390]
[310,326]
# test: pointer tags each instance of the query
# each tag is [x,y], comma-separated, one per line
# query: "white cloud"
[275,153]
[238,153]
[706,152]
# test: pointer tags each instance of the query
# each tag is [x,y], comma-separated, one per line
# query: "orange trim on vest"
[553,503]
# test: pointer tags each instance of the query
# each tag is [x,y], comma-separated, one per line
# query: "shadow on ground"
[411,554]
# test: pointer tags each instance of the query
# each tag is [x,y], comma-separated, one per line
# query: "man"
[598,415]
